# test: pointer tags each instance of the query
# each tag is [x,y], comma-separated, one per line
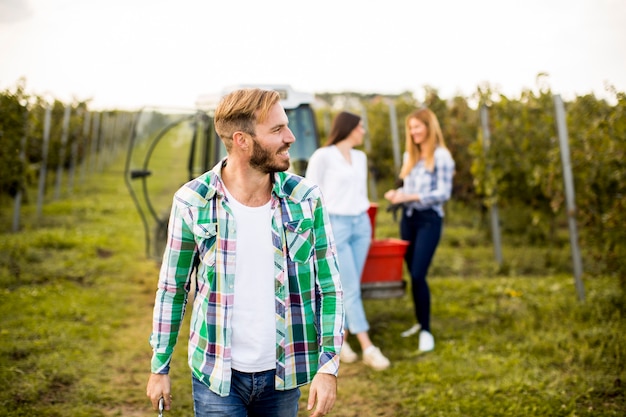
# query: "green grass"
[505,347]
[76,294]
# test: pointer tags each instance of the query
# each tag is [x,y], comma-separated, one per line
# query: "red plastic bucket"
[384,260]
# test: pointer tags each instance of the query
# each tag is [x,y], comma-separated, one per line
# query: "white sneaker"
[416,328]
[374,359]
[427,341]
[347,355]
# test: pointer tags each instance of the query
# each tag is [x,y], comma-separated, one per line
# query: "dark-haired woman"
[341,173]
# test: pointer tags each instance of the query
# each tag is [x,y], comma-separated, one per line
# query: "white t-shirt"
[343,184]
[253,321]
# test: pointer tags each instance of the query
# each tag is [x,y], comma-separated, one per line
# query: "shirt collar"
[284,184]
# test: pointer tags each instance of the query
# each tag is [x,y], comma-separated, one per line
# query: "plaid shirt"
[309,308]
[433,187]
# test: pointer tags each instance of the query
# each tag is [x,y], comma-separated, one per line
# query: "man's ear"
[240,140]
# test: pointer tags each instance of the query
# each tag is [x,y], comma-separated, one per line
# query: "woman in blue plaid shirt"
[427,174]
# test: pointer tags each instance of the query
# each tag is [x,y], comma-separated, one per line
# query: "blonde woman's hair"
[414,151]
[241,110]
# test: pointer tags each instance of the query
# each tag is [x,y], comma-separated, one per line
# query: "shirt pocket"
[206,238]
[300,241]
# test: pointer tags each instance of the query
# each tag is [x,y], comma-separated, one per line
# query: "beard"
[265,160]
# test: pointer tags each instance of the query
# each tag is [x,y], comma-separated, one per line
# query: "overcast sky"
[130,53]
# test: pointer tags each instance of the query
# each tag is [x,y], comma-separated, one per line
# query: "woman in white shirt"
[341,173]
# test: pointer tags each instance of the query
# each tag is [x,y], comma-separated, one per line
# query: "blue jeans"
[353,235]
[251,395]
[423,231]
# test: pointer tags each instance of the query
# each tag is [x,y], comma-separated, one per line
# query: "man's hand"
[323,392]
[159,386]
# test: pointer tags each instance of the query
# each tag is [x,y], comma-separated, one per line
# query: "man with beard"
[255,240]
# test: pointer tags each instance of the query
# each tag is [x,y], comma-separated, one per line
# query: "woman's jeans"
[423,231]
[353,235]
[251,395]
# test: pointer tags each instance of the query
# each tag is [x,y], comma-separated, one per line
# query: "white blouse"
[343,184]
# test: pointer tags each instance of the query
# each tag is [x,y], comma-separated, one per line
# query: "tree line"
[53,145]
[521,172]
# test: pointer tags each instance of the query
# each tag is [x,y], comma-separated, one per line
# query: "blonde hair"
[413,150]
[240,110]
